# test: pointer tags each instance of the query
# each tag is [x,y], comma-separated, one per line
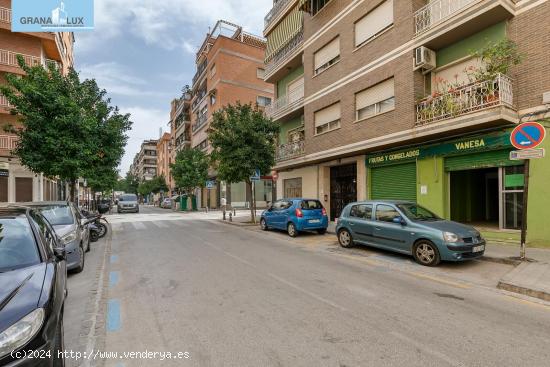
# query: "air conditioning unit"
[546,98]
[424,59]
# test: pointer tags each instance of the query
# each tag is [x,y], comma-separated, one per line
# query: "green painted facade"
[470,44]
[287,126]
[431,175]
[283,83]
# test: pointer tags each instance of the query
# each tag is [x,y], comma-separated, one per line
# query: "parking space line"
[114,259]
[113,278]
[113,315]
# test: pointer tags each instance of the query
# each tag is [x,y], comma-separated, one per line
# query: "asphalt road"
[230,296]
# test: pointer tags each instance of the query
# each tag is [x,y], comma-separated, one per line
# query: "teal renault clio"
[408,228]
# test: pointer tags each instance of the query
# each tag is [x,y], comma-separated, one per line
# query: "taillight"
[324,212]
[299,213]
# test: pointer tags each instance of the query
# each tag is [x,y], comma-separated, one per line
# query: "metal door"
[343,188]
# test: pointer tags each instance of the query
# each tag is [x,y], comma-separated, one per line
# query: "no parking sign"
[528,135]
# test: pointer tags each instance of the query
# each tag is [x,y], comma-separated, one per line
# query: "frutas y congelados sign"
[52,15]
[459,146]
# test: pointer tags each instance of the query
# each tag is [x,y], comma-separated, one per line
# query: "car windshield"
[58,215]
[127,198]
[416,212]
[311,204]
[17,244]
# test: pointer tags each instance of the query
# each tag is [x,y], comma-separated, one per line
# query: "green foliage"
[155,185]
[190,170]
[128,184]
[243,140]
[498,58]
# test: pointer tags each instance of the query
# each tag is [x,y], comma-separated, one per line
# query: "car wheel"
[102,230]
[291,230]
[80,266]
[322,231]
[59,349]
[263,224]
[345,238]
[426,253]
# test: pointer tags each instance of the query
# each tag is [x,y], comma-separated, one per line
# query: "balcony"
[4,102]
[9,58]
[5,15]
[201,121]
[443,22]
[200,70]
[290,53]
[8,142]
[290,150]
[286,104]
[275,11]
[470,98]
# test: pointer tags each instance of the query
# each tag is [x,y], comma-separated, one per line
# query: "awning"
[285,31]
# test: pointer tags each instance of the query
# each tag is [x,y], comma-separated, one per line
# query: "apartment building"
[144,166]
[230,69]
[377,100]
[180,128]
[17,184]
[165,159]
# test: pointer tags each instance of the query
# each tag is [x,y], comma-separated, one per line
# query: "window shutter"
[327,53]
[375,94]
[448,74]
[374,22]
[328,114]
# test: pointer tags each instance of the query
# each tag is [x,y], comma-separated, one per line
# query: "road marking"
[114,259]
[113,278]
[180,223]
[160,224]
[113,315]
[423,347]
[116,227]
[139,225]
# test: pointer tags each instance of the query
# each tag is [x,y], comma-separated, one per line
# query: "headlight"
[21,332]
[450,237]
[69,237]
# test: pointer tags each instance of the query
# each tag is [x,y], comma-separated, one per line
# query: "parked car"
[33,288]
[127,203]
[166,203]
[295,215]
[408,228]
[71,227]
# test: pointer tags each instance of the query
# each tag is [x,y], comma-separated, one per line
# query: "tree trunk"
[249,188]
[72,190]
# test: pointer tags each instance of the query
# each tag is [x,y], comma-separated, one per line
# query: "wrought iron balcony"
[200,70]
[286,104]
[466,99]
[275,11]
[290,150]
[436,12]
[5,15]
[280,58]
[201,121]
[8,142]
[4,102]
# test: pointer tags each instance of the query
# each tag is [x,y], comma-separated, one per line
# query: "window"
[213,71]
[327,119]
[386,213]
[260,73]
[17,238]
[362,211]
[317,5]
[374,23]
[293,187]
[212,99]
[263,101]
[311,205]
[327,56]
[203,144]
[375,100]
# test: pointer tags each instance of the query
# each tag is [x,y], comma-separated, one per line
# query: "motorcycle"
[97,228]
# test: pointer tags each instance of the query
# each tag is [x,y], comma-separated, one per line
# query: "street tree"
[243,140]
[190,170]
[153,186]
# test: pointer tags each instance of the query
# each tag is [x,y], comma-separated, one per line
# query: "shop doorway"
[343,188]
[474,197]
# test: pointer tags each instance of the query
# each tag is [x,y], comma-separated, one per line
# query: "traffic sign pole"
[524,214]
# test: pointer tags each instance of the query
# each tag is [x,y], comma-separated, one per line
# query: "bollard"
[224,214]
[230,216]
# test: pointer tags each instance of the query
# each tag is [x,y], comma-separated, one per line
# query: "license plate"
[315,221]
[478,248]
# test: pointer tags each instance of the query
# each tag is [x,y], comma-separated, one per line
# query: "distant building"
[145,161]
[164,159]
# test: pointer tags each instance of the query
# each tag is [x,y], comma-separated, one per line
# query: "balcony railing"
[275,10]
[286,103]
[201,121]
[436,12]
[466,99]
[290,150]
[280,57]
[10,58]
[200,69]
[4,102]
[8,142]
[5,15]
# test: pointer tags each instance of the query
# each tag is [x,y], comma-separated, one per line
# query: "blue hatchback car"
[408,228]
[295,215]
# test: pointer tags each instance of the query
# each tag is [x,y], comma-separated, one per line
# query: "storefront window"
[293,188]
[238,194]
[264,192]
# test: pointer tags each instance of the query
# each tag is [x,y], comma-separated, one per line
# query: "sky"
[143,52]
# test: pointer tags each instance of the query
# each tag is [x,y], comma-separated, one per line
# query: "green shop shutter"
[494,158]
[395,182]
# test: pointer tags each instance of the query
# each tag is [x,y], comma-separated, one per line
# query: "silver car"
[127,203]
[71,228]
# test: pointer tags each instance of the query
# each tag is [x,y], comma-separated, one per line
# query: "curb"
[238,224]
[500,260]
[525,291]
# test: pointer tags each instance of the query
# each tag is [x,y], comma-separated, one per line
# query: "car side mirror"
[60,253]
[400,220]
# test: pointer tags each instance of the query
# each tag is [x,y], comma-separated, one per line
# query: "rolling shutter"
[374,22]
[327,53]
[395,182]
[495,158]
[375,94]
[23,189]
[328,114]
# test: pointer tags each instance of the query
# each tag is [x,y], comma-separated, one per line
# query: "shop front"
[469,179]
